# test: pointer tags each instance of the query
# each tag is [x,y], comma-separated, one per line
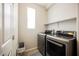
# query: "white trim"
[40,6]
[28,50]
[51,6]
[6,42]
[45,7]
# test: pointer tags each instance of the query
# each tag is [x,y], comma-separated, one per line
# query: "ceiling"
[46,5]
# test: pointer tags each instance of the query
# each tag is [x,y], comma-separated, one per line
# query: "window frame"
[31,18]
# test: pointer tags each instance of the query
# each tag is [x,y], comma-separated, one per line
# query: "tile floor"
[31,53]
[35,53]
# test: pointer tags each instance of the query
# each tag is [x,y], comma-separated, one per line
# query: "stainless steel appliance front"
[56,46]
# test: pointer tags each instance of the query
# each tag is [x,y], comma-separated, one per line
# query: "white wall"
[61,11]
[68,25]
[28,36]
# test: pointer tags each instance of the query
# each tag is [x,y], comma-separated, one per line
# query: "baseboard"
[28,50]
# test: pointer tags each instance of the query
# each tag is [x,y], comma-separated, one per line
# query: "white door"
[14,27]
[7,19]
[7,41]
[1,28]
[10,28]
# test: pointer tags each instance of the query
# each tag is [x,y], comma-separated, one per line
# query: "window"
[30,18]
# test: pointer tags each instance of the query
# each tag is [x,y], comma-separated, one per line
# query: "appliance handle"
[55,43]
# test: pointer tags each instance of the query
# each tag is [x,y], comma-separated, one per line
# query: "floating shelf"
[74,18]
